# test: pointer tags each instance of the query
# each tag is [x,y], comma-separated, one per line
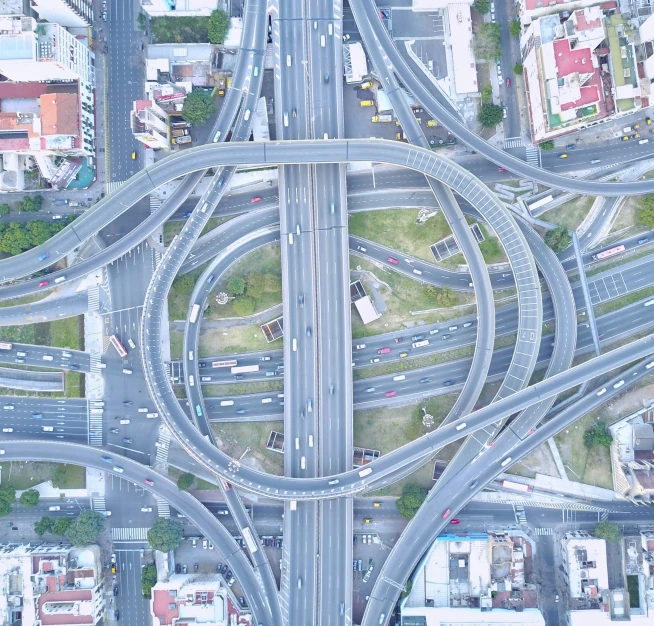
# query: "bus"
[6,346]
[245,369]
[198,410]
[194,313]
[507,484]
[230,363]
[539,203]
[249,540]
[605,254]
[365,472]
[116,343]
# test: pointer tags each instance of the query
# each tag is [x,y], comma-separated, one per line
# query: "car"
[392,260]
[149,482]
[184,569]
[376,360]
[255,199]
[123,421]
[239,376]
[643,241]
[57,217]
[133,156]
[362,248]
[571,146]
[44,256]
[115,431]
[7,430]
[127,440]
[404,355]
[294,113]
[399,339]
[594,161]
[383,351]
[308,331]
[504,113]
[326,77]
[360,346]
[556,598]
[370,389]
[187,214]
[8,407]
[508,82]
[367,520]
[196,567]
[426,379]
[473,484]
[446,513]
[364,540]
[448,383]
[240,412]
[446,336]
[54,508]
[37,416]
[132,345]
[44,283]
[116,613]
[301,300]
[116,590]
[563,156]
[455,521]
[241,600]
[205,543]
[390,394]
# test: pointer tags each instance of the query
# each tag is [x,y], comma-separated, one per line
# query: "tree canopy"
[44,525]
[148,579]
[165,535]
[609,531]
[598,435]
[236,286]
[546,145]
[481,6]
[16,237]
[218,26]
[198,107]
[558,239]
[86,529]
[487,43]
[7,498]
[30,203]
[646,214]
[29,498]
[490,115]
[411,500]
[518,69]
[515,29]
[185,481]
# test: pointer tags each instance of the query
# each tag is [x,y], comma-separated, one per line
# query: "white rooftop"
[587,567]
[367,310]
[475,617]
[463,58]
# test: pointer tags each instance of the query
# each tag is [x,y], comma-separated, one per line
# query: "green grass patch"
[180,293]
[199,485]
[35,297]
[233,439]
[239,389]
[233,340]
[67,333]
[623,301]
[260,272]
[24,475]
[634,591]
[570,214]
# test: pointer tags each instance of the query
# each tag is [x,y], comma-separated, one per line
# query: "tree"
[487,43]
[29,498]
[4,210]
[244,305]
[481,6]
[44,525]
[609,531]
[60,476]
[558,239]
[646,215]
[141,20]
[487,94]
[546,145]
[198,107]
[30,203]
[7,496]
[490,115]
[446,297]
[185,481]
[165,535]
[236,286]
[61,526]
[86,529]
[218,26]
[148,579]
[515,29]
[598,435]
[518,69]
[411,500]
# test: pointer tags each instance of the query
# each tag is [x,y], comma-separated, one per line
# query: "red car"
[508,82]
[390,394]
[501,169]
[149,482]
[384,351]
[392,260]
[446,513]
[44,283]
[455,521]
[256,199]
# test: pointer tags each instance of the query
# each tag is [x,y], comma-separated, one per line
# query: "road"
[63,418]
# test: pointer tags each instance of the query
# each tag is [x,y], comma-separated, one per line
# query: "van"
[143,409]
[303,462]
[330,29]
[190,355]
[246,117]
[61,279]
[293,505]
[627,129]
[311,441]
[226,402]
[191,381]
[48,357]
[641,142]
[294,345]
[297,443]
[126,371]
[48,429]
[66,355]
[286,120]
[256,70]
[152,415]
[54,508]
[322,41]
[418,272]
[266,400]
[290,239]
[288,60]
[21,353]
[325,136]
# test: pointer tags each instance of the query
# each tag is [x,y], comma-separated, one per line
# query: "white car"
[146,509]
[54,508]
[7,430]
[205,543]
[132,345]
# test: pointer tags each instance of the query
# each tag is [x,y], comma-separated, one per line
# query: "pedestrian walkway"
[129,534]
[513,142]
[94,298]
[607,288]
[98,504]
[544,531]
[163,508]
[113,186]
[163,446]
[533,156]
[95,429]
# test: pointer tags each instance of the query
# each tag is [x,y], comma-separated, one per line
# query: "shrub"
[646,214]
[515,29]
[481,6]
[411,500]
[185,481]
[165,535]
[218,26]
[518,69]
[598,435]
[198,107]
[546,145]
[487,43]
[558,239]
[609,531]
[29,498]
[490,115]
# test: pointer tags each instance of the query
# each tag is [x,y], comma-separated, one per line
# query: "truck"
[184,139]
[74,204]
[382,118]
[178,132]
[221,86]
[60,202]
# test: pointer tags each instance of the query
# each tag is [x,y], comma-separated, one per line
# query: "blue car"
[107,459]
[44,256]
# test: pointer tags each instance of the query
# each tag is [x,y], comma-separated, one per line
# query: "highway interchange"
[311,209]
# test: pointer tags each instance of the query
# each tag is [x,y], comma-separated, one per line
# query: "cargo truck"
[180,140]
[178,132]
[382,118]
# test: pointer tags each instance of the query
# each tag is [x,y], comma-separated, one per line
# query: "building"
[69,13]
[355,63]
[632,456]
[473,578]
[464,68]
[584,564]
[364,305]
[578,69]
[530,10]
[180,8]
[200,599]
[51,584]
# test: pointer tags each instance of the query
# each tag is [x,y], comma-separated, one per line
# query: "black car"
[127,440]
[127,403]
[225,569]
[115,590]
[218,567]
[196,566]
[241,600]
[571,146]
[178,568]
[116,615]
[448,383]
[427,379]
[399,339]
[239,376]
[417,338]
[446,336]
[203,365]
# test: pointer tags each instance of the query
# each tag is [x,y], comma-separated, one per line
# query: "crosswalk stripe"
[129,534]
[95,430]
[514,142]
[113,186]
[94,298]
[533,156]
[163,508]
[98,504]
[163,447]
[95,363]
[543,531]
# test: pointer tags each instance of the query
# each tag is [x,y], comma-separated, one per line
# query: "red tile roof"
[582,24]
[571,61]
[74,595]
[22,90]
[59,114]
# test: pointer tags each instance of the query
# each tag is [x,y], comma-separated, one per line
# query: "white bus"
[6,346]
[420,344]
[365,472]
[194,313]
[540,203]
[245,369]
[229,363]
[249,540]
